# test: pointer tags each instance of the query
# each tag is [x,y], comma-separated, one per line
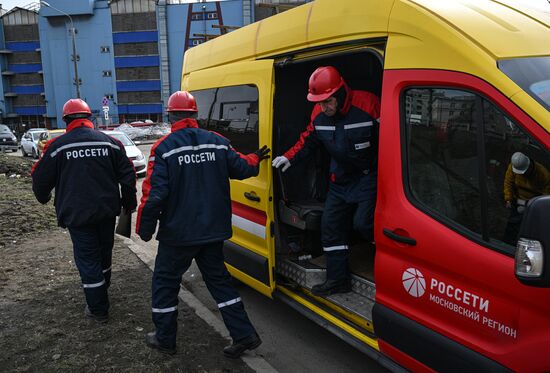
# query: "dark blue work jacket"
[85,166]
[350,137]
[187,186]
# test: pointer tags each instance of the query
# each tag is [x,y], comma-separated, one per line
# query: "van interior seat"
[302,205]
[304,215]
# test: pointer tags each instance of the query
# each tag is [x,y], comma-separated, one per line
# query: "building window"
[232,112]
[196,16]
[459,165]
[196,42]
[107,73]
[104,49]
[212,15]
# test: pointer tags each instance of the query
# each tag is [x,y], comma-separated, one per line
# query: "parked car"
[47,136]
[8,141]
[132,151]
[29,142]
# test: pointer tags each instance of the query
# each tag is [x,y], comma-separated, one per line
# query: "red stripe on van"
[249,213]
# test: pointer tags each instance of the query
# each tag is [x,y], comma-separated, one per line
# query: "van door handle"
[252,196]
[396,237]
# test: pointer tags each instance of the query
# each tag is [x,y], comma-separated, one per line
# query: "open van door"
[446,292]
[236,101]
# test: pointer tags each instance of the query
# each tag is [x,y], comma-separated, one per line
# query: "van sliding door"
[236,101]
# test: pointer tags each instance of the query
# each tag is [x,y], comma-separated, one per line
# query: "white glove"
[281,161]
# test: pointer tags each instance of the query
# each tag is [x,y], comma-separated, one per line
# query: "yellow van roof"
[498,28]
[504,29]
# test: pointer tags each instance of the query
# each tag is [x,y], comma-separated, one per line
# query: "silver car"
[29,142]
[132,151]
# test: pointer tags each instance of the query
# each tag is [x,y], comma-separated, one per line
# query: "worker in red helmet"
[93,178]
[345,123]
[187,190]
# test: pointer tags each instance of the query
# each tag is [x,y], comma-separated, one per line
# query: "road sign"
[106,112]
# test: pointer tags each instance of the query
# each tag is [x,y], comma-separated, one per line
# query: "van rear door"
[236,101]
[446,292]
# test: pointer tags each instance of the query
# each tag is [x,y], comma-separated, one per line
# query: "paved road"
[292,343]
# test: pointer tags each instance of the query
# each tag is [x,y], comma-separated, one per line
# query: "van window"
[459,154]
[231,112]
[532,75]
[442,154]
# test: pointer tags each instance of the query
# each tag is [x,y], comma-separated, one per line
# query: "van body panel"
[306,26]
[523,100]
[501,30]
[231,50]
[512,317]
[471,302]
[251,218]
[363,19]
[413,44]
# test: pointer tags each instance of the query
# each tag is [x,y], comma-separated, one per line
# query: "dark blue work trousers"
[348,207]
[93,250]
[170,265]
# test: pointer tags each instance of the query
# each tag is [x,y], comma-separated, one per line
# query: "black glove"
[262,153]
[129,203]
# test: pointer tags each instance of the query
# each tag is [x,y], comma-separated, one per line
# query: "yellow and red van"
[459,276]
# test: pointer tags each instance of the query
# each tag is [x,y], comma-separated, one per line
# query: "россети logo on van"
[414,283]
[462,302]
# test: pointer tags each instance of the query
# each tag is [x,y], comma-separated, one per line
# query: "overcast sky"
[8,4]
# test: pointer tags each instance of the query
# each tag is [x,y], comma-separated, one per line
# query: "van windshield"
[532,74]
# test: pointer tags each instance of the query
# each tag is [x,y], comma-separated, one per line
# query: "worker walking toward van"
[187,189]
[524,179]
[86,168]
[345,122]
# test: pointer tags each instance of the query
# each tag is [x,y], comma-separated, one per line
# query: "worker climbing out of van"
[345,123]
[524,179]
[187,189]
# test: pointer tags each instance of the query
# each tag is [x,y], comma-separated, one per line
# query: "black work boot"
[99,318]
[237,348]
[331,287]
[153,342]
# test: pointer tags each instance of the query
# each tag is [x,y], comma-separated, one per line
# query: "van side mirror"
[533,247]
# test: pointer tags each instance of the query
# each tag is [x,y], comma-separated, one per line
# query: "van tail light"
[529,258]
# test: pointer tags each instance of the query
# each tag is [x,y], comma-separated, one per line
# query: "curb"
[255,362]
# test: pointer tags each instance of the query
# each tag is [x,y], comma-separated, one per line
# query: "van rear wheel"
[24,152]
[34,153]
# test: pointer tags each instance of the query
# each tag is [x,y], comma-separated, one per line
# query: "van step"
[307,274]
[359,301]
[355,303]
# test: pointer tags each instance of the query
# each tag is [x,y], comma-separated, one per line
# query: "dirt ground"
[42,323]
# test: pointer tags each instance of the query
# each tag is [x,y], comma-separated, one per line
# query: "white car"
[29,142]
[132,151]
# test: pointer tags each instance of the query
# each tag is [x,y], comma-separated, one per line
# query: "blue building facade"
[128,51]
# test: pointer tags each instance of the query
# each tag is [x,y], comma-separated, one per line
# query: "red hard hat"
[76,106]
[182,101]
[323,83]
